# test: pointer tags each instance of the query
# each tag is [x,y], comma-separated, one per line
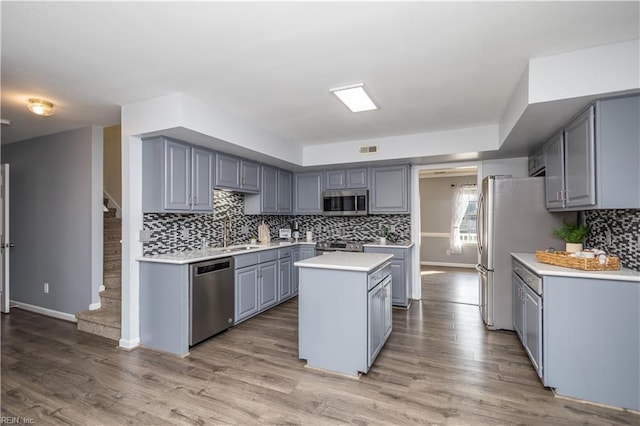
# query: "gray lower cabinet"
[401,275]
[307,190]
[593,164]
[275,195]
[267,285]
[285,271]
[379,324]
[237,174]
[389,190]
[246,295]
[527,321]
[176,176]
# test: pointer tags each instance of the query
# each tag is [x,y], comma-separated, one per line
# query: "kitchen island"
[344,310]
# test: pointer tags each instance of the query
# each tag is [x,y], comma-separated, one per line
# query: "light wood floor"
[454,285]
[439,366]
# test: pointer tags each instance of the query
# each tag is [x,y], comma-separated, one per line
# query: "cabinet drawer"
[268,255]
[244,260]
[284,252]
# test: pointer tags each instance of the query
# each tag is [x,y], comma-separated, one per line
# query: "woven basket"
[563,258]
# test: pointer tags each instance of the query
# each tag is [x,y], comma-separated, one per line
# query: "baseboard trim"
[95,306]
[129,343]
[44,311]
[449,264]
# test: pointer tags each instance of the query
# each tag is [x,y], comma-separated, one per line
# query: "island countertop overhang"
[346,261]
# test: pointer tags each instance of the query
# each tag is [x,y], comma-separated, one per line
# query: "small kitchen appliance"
[345,203]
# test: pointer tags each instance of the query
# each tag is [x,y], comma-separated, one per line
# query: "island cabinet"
[400,271]
[344,310]
[276,195]
[389,190]
[307,190]
[581,330]
[176,177]
[237,174]
[285,271]
[593,163]
[256,283]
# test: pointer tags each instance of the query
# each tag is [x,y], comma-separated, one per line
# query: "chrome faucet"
[226,230]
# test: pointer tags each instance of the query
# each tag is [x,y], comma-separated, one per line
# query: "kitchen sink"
[236,248]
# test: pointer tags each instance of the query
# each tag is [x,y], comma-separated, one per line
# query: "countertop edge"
[205,257]
[386,258]
[528,259]
[390,245]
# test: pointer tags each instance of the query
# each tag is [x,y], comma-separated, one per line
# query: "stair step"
[105,323]
[112,236]
[113,264]
[112,282]
[112,248]
[111,299]
[110,213]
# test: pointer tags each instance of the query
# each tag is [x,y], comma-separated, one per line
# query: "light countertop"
[199,255]
[346,261]
[529,260]
[405,244]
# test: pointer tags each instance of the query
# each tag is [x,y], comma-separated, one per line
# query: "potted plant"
[254,239]
[572,234]
[383,232]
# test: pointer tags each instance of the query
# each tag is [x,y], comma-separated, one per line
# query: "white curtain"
[461,197]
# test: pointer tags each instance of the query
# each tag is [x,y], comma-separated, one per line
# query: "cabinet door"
[375,323]
[398,282]
[580,179]
[389,190]
[268,287]
[335,179]
[517,303]
[387,309]
[227,171]
[269,192]
[249,176]
[296,255]
[356,178]
[554,172]
[285,190]
[308,193]
[533,327]
[246,297]
[177,182]
[284,284]
[202,179]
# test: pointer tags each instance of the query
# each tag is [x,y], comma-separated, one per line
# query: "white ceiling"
[431,65]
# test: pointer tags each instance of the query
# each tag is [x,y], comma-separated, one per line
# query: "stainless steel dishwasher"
[211,298]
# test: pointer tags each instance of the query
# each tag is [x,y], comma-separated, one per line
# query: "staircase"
[105,321]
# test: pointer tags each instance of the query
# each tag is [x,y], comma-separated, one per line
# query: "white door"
[4,239]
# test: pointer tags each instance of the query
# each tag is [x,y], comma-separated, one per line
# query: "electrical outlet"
[245,229]
[46,288]
[448,252]
[607,237]
[392,228]
[145,235]
[184,233]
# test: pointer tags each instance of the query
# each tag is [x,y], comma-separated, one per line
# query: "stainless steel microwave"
[346,203]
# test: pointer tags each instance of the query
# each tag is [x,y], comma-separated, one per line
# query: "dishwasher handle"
[211,267]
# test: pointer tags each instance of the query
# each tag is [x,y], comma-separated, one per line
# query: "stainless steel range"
[339,245]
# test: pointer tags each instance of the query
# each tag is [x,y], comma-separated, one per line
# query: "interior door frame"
[5,243]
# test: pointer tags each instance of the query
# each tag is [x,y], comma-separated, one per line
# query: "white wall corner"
[516,105]
[129,343]
[151,115]
[97,235]
[587,72]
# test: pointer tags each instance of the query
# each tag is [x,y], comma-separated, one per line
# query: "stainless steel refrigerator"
[511,218]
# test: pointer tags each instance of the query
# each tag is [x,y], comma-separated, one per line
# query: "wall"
[166,228]
[624,226]
[436,199]
[112,165]
[56,220]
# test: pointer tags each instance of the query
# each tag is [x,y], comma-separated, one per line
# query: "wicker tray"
[563,258]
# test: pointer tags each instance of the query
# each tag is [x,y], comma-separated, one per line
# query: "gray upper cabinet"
[275,195]
[389,190]
[176,176]
[308,193]
[594,165]
[237,174]
[345,179]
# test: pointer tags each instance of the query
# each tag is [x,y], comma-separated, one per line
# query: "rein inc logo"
[16,420]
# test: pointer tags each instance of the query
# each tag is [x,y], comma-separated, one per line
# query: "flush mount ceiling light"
[40,107]
[355,97]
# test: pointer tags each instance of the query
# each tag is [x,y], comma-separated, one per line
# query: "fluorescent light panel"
[355,97]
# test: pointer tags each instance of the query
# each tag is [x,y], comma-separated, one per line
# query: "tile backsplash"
[166,228]
[624,226]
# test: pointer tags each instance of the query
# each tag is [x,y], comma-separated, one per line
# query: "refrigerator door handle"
[481,268]
[479,223]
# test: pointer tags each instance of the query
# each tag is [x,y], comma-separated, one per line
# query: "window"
[463,217]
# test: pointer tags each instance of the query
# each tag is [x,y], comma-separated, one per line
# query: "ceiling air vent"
[369,149]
